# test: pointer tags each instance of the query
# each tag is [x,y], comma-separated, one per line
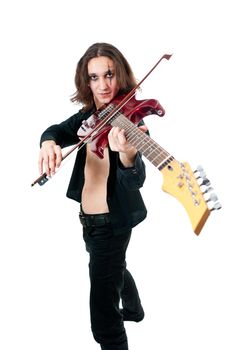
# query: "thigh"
[107,250]
[107,266]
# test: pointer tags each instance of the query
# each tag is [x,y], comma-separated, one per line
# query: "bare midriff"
[94,194]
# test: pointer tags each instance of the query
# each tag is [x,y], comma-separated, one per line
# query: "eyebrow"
[111,70]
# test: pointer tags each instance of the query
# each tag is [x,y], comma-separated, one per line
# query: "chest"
[95,165]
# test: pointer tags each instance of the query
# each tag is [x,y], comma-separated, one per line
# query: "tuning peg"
[206,182]
[203,181]
[206,189]
[216,206]
[212,198]
[200,174]
[199,169]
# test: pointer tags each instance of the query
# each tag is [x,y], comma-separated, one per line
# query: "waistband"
[94,220]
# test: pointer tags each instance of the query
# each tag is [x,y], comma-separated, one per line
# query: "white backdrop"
[185,281]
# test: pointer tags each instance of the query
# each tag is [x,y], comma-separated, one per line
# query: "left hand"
[118,143]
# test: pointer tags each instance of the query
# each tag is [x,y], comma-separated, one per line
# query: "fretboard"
[143,143]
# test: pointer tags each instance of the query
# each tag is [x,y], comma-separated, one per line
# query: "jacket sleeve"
[132,178]
[65,133]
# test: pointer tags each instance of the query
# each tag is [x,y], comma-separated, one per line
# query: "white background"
[185,281]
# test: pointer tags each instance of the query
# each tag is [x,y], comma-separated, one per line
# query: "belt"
[95,220]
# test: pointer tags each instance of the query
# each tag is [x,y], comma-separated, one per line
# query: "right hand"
[50,157]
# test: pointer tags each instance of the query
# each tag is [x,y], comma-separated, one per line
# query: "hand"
[118,142]
[50,157]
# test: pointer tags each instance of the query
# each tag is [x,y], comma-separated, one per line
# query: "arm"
[50,157]
[131,169]
[65,133]
[132,178]
[54,139]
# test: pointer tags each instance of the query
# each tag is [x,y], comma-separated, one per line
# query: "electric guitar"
[188,187]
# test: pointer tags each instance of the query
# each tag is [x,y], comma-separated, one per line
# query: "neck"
[158,156]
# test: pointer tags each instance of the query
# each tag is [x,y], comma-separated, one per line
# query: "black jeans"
[110,282]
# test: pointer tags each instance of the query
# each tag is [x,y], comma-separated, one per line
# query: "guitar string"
[142,141]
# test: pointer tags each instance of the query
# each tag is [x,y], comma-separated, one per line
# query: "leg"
[107,267]
[132,308]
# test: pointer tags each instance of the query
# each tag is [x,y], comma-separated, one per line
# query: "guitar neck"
[179,179]
[158,156]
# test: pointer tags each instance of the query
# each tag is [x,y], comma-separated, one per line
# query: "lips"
[105,94]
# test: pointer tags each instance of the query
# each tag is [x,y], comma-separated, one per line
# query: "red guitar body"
[134,110]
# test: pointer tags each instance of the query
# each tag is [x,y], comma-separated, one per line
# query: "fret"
[158,156]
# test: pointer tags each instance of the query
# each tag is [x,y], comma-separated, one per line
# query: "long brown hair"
[124,74]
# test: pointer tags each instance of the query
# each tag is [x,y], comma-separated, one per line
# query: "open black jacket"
[124,200]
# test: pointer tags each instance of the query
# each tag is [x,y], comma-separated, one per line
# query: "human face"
[102,80]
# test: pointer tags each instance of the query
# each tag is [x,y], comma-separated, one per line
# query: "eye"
[109,74]
[93,77]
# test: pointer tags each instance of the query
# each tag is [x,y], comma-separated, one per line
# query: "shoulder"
[81,115]
[76,119]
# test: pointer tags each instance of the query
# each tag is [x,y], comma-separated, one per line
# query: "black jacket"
[125,203]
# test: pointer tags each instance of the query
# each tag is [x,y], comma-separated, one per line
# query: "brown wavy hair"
[124,74]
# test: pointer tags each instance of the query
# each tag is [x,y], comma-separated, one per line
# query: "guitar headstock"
[192,189]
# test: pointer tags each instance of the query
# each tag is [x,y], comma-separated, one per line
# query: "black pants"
[110,282]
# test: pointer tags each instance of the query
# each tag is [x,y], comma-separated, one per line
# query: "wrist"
[128,158]
[48,143]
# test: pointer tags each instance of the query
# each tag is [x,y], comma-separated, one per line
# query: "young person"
[108,190]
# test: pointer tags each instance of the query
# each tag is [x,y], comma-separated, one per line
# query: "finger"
[52,161]
[40,163]
[112,140]
[45,160]
[58,154]
[144,128]
[115,131]
[121,137]
[118,136]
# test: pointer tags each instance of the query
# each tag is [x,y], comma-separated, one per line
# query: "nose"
[103,83]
